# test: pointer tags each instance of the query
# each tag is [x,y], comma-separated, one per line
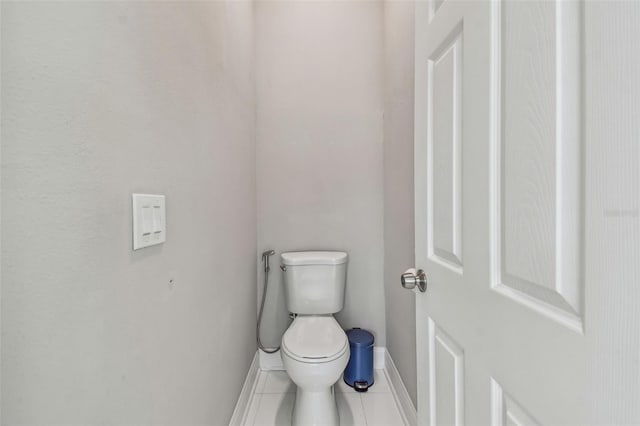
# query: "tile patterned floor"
[272,402]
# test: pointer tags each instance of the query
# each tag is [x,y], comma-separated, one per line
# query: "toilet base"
[315,408]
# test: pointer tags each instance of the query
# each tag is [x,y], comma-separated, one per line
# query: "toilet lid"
[317,338]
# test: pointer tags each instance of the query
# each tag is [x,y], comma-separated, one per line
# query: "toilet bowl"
[315,352]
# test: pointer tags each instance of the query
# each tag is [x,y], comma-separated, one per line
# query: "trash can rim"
[359,337]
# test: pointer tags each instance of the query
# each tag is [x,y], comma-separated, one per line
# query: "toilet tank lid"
[295,258]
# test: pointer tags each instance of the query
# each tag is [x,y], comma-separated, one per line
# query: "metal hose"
[265,259]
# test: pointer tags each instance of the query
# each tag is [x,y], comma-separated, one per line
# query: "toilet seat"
[315,339]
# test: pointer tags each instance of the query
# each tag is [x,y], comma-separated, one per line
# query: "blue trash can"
[359,371]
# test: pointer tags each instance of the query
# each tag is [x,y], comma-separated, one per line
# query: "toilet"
[315,349]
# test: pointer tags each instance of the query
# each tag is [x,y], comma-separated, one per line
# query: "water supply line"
[265,260]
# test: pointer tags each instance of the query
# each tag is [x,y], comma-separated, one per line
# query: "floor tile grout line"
[364,413]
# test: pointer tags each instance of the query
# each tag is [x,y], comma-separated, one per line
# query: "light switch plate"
[149,220]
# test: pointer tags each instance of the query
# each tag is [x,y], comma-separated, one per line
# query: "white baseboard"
[273,362]
[242,406]
[400,393]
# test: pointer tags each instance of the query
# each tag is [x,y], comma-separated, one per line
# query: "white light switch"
[149,220]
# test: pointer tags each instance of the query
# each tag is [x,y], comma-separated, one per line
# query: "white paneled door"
[527,195]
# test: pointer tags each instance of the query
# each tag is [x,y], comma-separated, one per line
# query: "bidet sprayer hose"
[265,259]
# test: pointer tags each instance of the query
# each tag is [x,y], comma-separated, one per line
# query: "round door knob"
[411,278]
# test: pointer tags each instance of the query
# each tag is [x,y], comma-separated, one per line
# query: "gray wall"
[398,187]
[101,100]
[319,147]
[0,220]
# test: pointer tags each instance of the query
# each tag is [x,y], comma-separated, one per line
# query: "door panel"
[506,411]
[446,372]
[445,160]
[537,148]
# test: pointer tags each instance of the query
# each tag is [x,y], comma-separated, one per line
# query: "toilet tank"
[314,281]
